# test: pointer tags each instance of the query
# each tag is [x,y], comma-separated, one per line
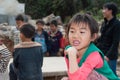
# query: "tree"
[85,3]
[64,8]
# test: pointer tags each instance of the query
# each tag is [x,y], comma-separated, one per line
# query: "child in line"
[84,60]
[41,37]
[54,39]
[28,56]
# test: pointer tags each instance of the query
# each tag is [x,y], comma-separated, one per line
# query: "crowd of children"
[85,61]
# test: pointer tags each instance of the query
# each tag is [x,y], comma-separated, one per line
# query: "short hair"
[27,30]
[40,21]
[54,22]
[19,17]
[111,6]
[86,19]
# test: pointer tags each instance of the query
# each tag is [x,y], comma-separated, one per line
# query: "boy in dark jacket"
[54,38]
[28,56]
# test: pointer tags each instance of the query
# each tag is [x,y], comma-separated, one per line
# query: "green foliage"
[99,15]
[64,8]
[118,15]
[38,8]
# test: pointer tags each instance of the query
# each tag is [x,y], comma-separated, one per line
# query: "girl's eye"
[82,32]
[71,31]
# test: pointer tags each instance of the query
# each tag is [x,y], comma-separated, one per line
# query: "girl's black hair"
[111,6]
[84,18]
[27,30]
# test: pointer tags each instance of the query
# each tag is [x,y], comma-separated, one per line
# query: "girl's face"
[79,36]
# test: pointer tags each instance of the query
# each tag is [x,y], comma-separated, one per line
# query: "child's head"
[82,30]
[27,31]
[40,23]
[53,25]
[19,20]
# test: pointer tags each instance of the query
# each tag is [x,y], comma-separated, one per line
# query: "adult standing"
[108,42]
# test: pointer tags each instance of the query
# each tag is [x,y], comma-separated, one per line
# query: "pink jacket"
[94,60]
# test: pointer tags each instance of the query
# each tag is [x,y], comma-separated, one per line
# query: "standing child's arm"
[73,65]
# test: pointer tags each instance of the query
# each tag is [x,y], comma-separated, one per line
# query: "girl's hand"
[65,78]
[72,56]
[71,50]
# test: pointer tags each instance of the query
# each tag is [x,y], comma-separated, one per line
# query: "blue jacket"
[46,39]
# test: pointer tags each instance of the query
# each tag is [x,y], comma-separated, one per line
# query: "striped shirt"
[5,56]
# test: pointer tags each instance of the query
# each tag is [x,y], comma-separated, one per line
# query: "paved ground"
[118,72]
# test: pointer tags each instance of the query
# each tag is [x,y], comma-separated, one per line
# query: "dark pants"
[12,73]
[112,64]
